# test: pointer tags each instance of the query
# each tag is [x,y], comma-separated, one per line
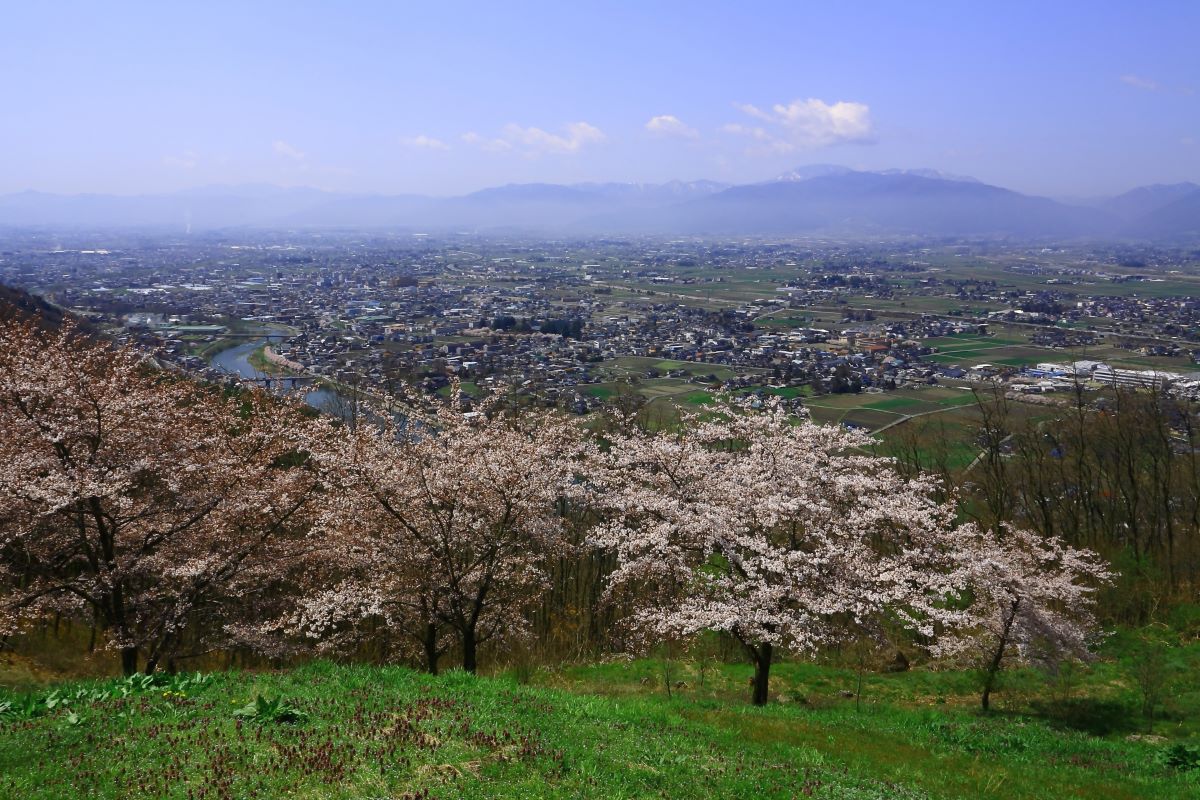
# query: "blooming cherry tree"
[452,518]
[1032,596]
[778,532]
[141,500]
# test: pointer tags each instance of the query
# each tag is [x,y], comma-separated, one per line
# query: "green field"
[906,405]
[602,391]
[968,350]
[640,365]
[601,731]
[698,398]
[468,387]
[790,392]
[898,403]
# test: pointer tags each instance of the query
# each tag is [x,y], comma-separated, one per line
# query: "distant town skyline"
[1062,100]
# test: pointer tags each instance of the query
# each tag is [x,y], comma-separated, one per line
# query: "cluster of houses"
[551,318]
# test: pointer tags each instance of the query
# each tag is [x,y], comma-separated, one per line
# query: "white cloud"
[668,125]
[484,143]
[284,149]
[1188,141]
[425,143]
[806,124]
[532,142]
[1138,82]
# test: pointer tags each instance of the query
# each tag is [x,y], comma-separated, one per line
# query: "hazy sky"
[1058,98]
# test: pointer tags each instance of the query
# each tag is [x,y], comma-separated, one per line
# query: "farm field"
[1012,349]
[641,365]
[889,407]
[970,350]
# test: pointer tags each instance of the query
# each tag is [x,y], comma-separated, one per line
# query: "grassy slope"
[588,732]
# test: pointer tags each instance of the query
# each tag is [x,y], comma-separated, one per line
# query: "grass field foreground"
[606,731]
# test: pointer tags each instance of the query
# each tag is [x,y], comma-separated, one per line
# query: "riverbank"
[268,362]
[209,350]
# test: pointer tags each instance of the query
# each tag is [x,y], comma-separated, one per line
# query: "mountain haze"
[1144,200]
[817,199]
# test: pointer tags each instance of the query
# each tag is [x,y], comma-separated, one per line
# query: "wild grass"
[605,730]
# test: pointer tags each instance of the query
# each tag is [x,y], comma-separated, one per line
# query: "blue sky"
[1063,99]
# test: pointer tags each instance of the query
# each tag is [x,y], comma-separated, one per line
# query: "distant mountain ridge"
[1144,200]
[816,199]
[885,202]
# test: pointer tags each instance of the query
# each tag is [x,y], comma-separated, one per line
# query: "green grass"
[1011,355]
[641,364]
[258,360]
[908,405]
[957,399]
[602,391]
[468,387]
[603,731]
[697,399]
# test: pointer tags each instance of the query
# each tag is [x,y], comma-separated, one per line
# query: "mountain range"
[818,199]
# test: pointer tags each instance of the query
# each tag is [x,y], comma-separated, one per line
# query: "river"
[237,361]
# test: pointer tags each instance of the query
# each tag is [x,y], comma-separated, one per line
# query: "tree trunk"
[469,646]
[762,673]
[431,651]
[993,669]
[129,659]
[985,699]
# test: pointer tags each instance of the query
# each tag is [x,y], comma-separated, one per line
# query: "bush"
[1181,757]
[264,709]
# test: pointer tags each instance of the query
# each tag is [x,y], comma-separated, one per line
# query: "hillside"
[19,304]
[325,731]
[1179,219]
[1145,200]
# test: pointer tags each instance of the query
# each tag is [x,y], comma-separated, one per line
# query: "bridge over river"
[279,381]
[236,361]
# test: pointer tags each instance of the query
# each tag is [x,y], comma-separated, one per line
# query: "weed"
[264,709]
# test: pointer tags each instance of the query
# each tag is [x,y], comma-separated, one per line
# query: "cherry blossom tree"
[376,576]
[778,532]
[1032,598]
[451,518]
[154,506]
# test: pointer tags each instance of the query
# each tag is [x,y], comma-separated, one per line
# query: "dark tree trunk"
[165,647]
[762,673]
[129,660]
[469,647]
[985,700]
[993,668]
[431,649]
